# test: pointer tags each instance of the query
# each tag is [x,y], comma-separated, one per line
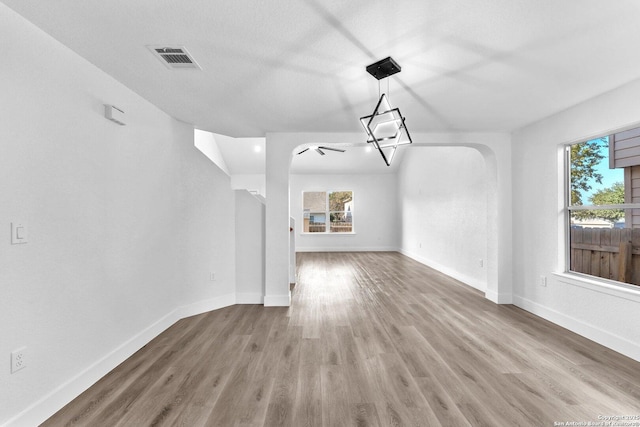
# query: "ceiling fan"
[320,148]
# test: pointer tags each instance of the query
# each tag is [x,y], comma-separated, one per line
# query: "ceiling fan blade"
[333,149]
[306,149]
[320,151]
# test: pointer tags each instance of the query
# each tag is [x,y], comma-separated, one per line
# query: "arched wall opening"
[494,149]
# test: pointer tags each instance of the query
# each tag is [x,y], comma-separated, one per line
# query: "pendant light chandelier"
[385,127]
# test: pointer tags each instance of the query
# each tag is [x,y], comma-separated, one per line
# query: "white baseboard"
[277,300]
[205,306]
[347,249]
[497,298]
[467,280]
[45,407]
[249,298]
[607,339]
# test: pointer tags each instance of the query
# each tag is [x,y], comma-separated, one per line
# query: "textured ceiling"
[285,65]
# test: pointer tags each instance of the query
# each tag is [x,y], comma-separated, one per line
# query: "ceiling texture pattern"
[299,65]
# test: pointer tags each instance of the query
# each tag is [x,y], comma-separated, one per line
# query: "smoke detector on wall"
[174,57]
[114,114]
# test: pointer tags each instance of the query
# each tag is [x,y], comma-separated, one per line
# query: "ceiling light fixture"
[385,128]
[319,149]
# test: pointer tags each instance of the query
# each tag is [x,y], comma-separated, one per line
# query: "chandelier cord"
[388,94]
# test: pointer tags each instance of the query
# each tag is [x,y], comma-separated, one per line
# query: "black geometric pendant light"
[385,127]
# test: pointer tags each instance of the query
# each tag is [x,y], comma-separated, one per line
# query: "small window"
[603,205]
[327,211]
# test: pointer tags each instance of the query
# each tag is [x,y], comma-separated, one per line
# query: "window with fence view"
[603,201]
[327,211]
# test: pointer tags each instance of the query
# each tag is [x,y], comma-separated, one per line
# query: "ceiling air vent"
[174,57]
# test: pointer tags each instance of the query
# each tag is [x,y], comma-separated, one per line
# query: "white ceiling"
[285,65]
[299,66]
[242,156]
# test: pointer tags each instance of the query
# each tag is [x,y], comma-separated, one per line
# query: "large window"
[327,211]
[603,205]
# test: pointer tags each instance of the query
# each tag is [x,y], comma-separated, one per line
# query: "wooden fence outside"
[336,227]
[611,253]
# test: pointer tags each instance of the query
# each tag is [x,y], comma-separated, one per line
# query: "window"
[603,205]
[327,211]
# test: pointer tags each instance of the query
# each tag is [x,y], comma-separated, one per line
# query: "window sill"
[604,286]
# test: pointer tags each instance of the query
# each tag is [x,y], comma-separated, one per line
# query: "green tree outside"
[584,159]
[337,199]
[613,195]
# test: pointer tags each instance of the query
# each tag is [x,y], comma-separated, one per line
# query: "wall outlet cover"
[18,359]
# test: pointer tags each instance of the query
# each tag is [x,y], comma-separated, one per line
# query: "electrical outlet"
[543,281]
[212,277]
[481,263]
[18,359]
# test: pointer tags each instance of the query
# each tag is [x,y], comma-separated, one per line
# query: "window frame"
[576,277]
[328,213]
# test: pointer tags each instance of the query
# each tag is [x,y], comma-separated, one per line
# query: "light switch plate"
[19,233]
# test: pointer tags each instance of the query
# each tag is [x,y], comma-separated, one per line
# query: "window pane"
[314,204]
[340,201]
[341,222]
[341,207]
[593,182]
[604,248]
[314,201]
[317,222]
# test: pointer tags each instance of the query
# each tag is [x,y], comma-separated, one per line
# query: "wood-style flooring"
[371,339]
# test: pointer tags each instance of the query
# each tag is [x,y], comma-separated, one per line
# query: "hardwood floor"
[372,339]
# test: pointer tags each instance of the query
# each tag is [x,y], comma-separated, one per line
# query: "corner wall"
[250,252]
[606,314]
[124,223]
[442,198]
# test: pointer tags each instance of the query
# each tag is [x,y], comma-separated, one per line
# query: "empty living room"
[308,213]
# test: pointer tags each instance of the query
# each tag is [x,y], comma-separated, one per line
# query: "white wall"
[208,208]
[442,197]
[250,247]
[250,182]
[124,223]
[375,215]
[608,315]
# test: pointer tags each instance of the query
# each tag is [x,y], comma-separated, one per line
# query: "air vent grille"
[167,50]
[174,57]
